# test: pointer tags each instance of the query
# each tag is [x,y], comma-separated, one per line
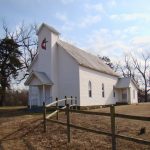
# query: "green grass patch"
[12,107]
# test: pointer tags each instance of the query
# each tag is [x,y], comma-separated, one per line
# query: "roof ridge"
[85,52]
[86,59]
[79,48]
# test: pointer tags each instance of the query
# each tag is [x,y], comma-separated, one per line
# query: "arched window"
[103,90]
[90,89]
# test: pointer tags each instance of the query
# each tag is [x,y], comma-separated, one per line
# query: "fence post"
[71,103]
[65,103]
[65,100]
[68,122]
[57,108]
[112,111]
[44,116]
[76,103]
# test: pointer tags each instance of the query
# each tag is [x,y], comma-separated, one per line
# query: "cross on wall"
[43,44]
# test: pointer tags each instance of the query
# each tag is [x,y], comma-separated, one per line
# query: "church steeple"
[51,29]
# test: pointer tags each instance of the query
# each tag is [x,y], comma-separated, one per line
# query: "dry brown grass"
[20,131]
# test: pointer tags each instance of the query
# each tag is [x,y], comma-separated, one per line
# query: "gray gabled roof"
[125,82]
[86,59]
[48,27]
[41,76]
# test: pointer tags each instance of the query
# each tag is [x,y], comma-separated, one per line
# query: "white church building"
[61,69]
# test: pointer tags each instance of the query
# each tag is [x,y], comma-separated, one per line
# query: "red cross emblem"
[43,44]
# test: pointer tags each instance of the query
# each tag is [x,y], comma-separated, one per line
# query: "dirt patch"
[25,131]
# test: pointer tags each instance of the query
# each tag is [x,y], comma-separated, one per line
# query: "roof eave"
[121,87]
[98,70]
[27,82]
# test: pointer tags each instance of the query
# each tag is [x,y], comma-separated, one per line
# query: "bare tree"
[128,69]
[108,62]
[116,66]
[143,68]
[28,45]
[25,37]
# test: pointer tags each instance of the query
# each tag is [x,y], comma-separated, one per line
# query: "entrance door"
[124,95]
[48,96]
[34,95]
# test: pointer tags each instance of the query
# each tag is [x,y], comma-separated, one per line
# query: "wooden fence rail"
[112,116]
[57,109]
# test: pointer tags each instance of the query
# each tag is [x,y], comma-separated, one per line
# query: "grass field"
[21,130]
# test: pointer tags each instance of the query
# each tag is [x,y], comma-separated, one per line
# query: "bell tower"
[48,53]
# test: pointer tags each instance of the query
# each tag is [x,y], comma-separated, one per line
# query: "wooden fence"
[73,103]
[68,108]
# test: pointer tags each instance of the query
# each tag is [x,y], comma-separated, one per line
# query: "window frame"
[103,90]
[90,89]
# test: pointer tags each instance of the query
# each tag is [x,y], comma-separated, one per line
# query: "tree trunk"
[1,102]
[145,95]
[145,90]
[2,98]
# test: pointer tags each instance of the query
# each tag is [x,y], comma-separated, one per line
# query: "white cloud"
[101,42]
[112,3]
[130,16]
[95,7]
[141,40]
[67,24]
[67,1]
[90,20]
[80,23]
[61,16]
[131,29]
[141,44]
[106,42]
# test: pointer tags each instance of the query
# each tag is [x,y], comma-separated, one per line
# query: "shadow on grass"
[22,132]
[8,112]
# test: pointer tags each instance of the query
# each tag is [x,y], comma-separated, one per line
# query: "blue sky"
[103,27]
